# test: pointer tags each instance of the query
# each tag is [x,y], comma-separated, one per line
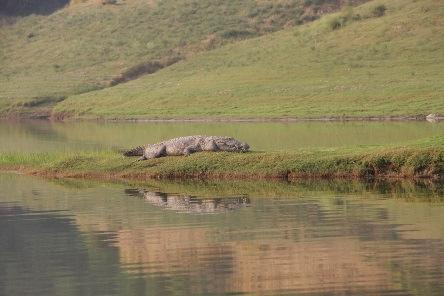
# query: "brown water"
[267,238]
[218,238]
[47,136]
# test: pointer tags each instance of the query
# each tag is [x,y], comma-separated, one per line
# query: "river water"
[72,237]
[33,136]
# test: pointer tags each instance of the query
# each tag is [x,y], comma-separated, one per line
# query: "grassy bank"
[353,63]
[424,159]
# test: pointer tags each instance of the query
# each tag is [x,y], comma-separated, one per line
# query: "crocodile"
[186,146]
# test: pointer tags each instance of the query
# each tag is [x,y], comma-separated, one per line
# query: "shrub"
[105,2]
[145,68]
[379,10]
[337,22]
[340,20]
[236,34]
[313,2]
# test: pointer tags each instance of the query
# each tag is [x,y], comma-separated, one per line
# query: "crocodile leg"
[155,152]
[210,146]
[189,150]
[213,146]
[142,158]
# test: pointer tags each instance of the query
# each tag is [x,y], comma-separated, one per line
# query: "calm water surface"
[322,238]
[233,238]
[47,136]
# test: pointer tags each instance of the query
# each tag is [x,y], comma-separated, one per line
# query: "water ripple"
[102,240]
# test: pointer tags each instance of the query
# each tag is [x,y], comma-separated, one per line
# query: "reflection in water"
[43,253]
[188,203]
[334,239]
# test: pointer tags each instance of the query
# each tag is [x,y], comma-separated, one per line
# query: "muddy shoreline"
[69,117]
[291,177]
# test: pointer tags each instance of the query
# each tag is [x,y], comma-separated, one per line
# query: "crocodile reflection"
[190,204]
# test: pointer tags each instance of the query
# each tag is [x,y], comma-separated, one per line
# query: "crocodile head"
[244,147]
[233,145]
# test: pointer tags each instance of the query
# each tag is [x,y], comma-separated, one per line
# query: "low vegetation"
[366,64]
[424,159]
[380,59]
[88,46]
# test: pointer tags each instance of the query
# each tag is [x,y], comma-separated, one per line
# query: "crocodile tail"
[138,151]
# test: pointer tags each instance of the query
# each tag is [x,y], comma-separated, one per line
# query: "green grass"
[382,66]
[84,47]
[420,159]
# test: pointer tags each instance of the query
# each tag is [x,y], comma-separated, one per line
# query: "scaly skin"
[188,145]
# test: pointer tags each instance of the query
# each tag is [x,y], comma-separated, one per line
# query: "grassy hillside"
[359,62]
[88,46]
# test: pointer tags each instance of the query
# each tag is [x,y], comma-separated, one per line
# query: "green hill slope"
[355,63]
[89,46]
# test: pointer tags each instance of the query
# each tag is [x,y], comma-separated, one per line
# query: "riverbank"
[424,159]
[48,114]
